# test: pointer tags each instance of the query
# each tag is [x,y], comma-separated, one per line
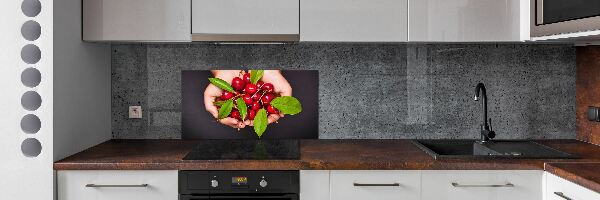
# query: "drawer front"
[379,185]
[482,185]
[117,185]
[560,189]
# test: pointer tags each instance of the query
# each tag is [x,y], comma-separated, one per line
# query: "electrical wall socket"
[135,112]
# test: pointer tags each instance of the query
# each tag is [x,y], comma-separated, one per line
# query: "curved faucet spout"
[480,93]
[481,88]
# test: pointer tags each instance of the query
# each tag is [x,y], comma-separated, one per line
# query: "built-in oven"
[233,185]
[552,17]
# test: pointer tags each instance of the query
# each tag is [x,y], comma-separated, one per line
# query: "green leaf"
[225,110]
[219,103]
[287,105]
[221,84]
[255,75]
[241,106]
[260,122]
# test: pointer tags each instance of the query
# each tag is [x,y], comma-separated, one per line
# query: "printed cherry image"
[250,99]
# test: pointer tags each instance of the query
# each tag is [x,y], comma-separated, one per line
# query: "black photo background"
[197,123]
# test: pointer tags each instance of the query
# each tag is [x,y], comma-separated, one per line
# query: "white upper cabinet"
[354,20]
[136,20]
[245,20]
[468,20]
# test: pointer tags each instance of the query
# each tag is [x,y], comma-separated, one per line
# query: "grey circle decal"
[31,77]
[31,147]
[31,30]
[31,54]
[31,100]
[30,124]
[31,8]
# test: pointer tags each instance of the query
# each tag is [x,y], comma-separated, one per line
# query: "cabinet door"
[117,185]
[136,20]
[245,17]
[353,21]
[375,184]
[482,185]
[560,189]
[314,184]
[468,20]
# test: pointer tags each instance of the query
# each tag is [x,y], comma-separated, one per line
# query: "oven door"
[244,197]
[552,17]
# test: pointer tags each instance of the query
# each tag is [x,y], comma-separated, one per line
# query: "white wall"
[24,177]
[82,93]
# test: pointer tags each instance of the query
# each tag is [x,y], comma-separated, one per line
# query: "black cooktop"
[245,150]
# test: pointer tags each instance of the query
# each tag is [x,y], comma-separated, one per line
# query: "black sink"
[471,149]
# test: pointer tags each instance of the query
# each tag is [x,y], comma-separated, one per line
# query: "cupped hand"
[212,92]
[282,87]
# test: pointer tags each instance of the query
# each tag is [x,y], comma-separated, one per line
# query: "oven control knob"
[214,183]
[263,183]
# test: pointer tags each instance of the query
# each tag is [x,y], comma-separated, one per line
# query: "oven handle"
[192,197]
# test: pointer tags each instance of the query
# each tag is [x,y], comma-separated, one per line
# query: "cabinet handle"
[491,185]
[561,195]
[114,186]
[376,184]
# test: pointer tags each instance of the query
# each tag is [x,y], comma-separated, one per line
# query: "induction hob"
[245,150]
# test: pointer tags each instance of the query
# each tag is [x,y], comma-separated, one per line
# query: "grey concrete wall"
[369,90]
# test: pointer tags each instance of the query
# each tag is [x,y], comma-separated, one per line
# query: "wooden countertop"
[331,155]
[315,154]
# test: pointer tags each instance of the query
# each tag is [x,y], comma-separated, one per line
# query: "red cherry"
[226,95]
[235,114]
[267,98]
[256,97]
[259,84]
[255,106]
[250,88]
[272,110]
[248,99]
[238,84]
[246,77]
[251,114]
[268,87]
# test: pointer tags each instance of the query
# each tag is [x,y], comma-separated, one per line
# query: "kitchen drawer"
[375,184]
[117,185]
[482,185]
[560,189]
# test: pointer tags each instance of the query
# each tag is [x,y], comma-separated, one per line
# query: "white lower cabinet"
[560,189]
[375,185]
[314,184]
[422,184]
[117,185]
[482,185]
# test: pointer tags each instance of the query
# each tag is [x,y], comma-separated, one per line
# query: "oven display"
[239,180]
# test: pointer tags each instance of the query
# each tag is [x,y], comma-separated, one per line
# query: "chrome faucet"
[486,129]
